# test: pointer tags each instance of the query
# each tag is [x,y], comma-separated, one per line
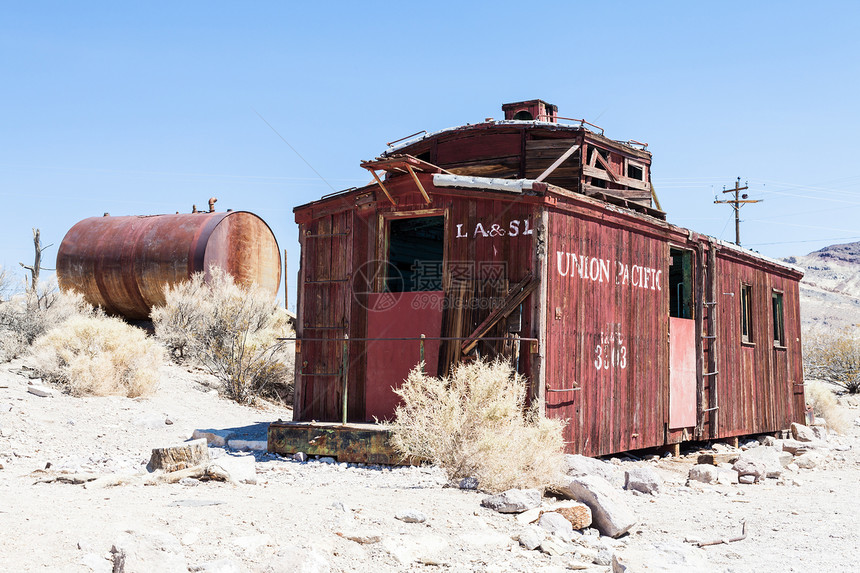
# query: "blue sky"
[150,108]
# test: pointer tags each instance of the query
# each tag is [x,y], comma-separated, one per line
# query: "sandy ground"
[318,516]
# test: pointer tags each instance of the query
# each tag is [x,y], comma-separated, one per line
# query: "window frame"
[777,299]
[746,308]
[380,278]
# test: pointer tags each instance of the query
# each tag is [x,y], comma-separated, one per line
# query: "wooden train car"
[539,241]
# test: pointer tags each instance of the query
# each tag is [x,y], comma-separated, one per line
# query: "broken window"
[746,313]
[592,161]
[778,319]
[680,283]
[635,171]
[415,252]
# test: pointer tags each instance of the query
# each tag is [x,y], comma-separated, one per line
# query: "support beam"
[512,300]
[381,186]
[558,162]
[420,187]
[605,165]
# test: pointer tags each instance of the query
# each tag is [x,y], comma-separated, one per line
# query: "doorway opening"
[680,283]
[416,248]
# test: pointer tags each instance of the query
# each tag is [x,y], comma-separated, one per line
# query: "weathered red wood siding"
[489,247]
[759,384]
[606,332]
[323,313]
[606,311]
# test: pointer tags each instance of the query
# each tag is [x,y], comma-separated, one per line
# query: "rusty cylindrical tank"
[123,263]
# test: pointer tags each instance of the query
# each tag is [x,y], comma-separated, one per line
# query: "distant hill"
[830,289]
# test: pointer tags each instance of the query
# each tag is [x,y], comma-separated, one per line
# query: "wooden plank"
[420,186]
[381,186]
[558,162]
[550,144]
[513,299]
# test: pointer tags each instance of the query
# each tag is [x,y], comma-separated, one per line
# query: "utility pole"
[736,205]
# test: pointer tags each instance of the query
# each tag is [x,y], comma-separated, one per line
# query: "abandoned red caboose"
[538,240]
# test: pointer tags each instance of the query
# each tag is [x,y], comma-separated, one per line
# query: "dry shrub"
[99,355]
[833,356]
[232,331]
[820,397]
[25,317]
[474,424]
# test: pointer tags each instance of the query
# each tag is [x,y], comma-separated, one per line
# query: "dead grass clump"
[474,424]
[98,355]
[819,395]
[232,331]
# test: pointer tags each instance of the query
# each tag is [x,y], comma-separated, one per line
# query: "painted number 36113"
[608,356]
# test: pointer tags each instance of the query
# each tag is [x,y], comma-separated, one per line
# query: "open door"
[409,303]
[682,341]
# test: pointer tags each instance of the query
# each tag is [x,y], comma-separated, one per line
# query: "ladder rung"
[714,373]
[710,336]
[711,302]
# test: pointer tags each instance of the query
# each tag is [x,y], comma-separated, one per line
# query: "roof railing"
[582,122]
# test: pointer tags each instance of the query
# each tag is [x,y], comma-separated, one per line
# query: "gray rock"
[642,479]
[556,524]
[704,473]
[41,391]
[768,440]
[469,483]
[808,461]
[750,467]
[611,515]
[747,479]
[578,465]
[217,438]
[727,476]
[553,547]
[785,458]
[513,500]
[327,460]
[410,516]
[767,456]
[531,538]
[300,457]
[802,433]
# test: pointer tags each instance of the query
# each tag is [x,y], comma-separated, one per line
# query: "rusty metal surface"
[123,263]
[355,443]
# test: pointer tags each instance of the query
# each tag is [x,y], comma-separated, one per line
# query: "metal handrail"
[582,122]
